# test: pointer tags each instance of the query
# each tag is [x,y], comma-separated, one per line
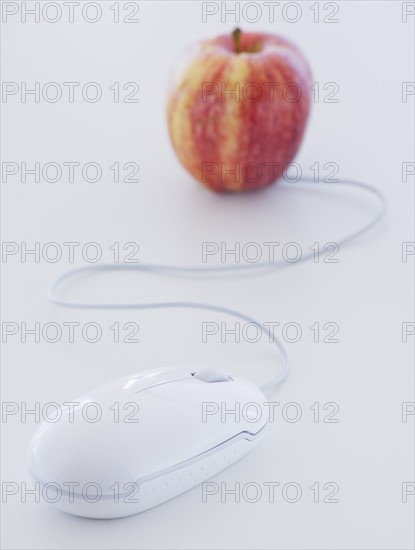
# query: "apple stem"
[236,35]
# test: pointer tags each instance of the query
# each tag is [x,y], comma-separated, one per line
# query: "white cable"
[162,268]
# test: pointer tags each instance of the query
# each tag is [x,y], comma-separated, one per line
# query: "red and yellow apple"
[238,109]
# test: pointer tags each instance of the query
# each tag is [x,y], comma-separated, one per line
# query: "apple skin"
[240,141]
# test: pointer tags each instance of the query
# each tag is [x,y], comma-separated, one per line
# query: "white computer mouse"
[140,440]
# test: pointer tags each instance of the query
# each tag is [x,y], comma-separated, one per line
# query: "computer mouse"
[140,440]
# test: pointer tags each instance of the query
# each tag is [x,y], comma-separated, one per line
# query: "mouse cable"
[53,293]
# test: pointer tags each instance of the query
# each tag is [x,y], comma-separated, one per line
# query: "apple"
[238,109]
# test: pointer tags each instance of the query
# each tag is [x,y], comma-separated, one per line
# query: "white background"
[368,293]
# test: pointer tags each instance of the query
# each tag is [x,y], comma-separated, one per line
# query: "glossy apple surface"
[238,109]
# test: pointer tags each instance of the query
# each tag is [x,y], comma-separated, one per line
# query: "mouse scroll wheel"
[212,375]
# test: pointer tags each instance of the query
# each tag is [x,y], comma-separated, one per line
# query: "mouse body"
[140,440]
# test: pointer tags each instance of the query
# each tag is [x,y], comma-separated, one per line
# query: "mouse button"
[212,375]
[161,377]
